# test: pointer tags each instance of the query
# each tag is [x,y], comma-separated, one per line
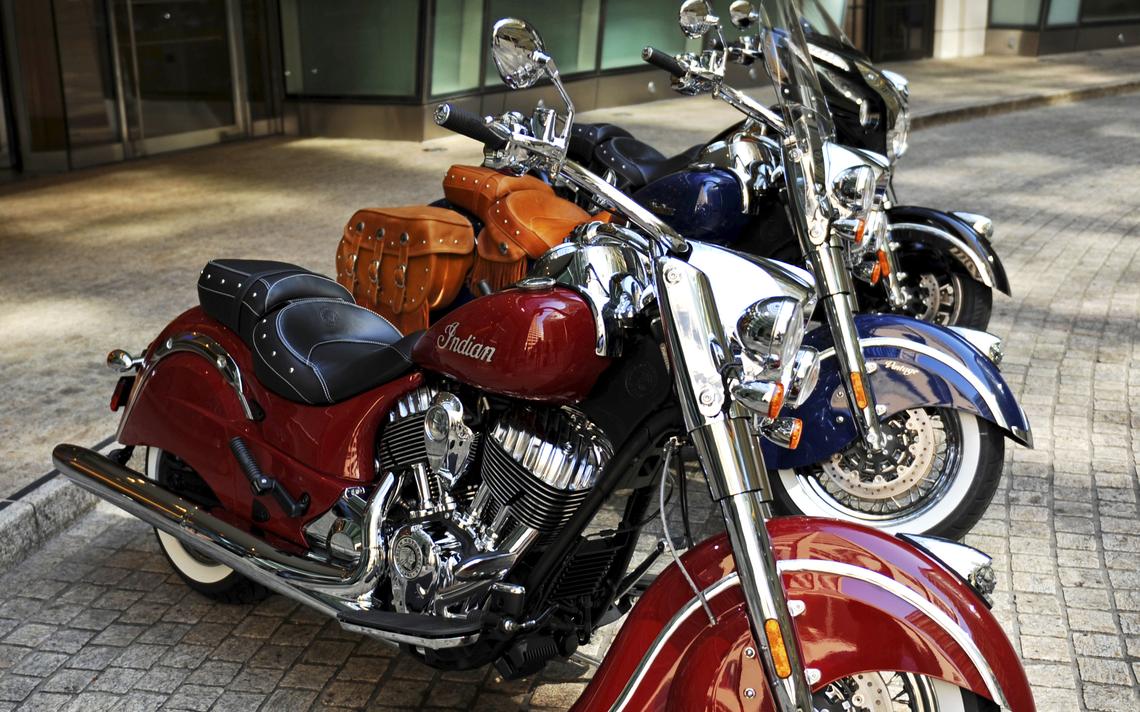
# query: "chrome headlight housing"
[854,188]
[898,136]
[770,331]
[804,377]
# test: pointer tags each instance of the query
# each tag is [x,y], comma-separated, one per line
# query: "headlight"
[854,188]
[805,375]
[771,331]
[898,136]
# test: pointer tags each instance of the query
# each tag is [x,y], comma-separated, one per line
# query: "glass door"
[182,67]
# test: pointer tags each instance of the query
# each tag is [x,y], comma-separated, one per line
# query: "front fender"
[916,364]
[949,235]
[871,602]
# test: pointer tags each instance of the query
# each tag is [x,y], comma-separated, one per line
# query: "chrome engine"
[464,506]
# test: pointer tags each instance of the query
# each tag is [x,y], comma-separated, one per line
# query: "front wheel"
[937,475]
[944,294]
[896,692]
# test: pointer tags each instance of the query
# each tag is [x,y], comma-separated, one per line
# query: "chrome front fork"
[733,464]
[837,293]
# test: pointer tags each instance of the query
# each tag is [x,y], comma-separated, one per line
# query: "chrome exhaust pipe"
[141,497]
[335,591]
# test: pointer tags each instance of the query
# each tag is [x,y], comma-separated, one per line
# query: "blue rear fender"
[917,364]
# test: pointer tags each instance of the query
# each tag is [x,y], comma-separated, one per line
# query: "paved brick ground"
[96,620]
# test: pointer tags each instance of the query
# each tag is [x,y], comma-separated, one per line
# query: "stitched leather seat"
[585,139]
[239,292]
[310,342]
[322,351]
[639,164]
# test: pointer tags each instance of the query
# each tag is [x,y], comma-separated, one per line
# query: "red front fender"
[872,602]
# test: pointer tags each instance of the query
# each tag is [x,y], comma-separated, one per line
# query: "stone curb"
[37,513]
[1021,103]
[27,523]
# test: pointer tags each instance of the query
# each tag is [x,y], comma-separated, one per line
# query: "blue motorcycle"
[906,430]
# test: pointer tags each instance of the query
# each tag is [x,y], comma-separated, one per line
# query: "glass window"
[458,43]
[1063,12]
[568,29]
[1103,10]
[1018,13]
[633,24]
[87,73]
[350,47]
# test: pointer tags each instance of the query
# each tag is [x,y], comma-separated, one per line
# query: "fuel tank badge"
[468,347]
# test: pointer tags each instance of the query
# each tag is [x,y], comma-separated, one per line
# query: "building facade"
[85,82]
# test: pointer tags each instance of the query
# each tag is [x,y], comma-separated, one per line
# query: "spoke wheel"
[895,692]
[937,475]
[943,294]
[936,298]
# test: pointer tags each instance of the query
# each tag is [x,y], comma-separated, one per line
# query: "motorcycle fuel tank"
[701,205]
[530,343]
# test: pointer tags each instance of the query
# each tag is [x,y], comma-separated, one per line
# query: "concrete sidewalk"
[955,89]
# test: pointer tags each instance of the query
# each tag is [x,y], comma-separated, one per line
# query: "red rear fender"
[183,406]
[871,602]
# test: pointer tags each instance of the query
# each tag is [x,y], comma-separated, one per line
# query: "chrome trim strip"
[663,637]
[908,595]
[941,356]
[207,348]
[982,267]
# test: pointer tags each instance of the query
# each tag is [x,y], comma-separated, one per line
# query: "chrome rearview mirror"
[522,60]
[743,14]
[518,52]
[696,18]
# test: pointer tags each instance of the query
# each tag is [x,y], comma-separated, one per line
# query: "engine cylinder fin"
[531,500]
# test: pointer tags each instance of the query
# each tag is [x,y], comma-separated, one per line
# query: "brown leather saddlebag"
[475,188]
[404,262]
[519,226]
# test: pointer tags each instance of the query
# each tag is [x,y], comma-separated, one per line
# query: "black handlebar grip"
[461,121]
[663,60]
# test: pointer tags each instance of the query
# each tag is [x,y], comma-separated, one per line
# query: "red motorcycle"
[440,490]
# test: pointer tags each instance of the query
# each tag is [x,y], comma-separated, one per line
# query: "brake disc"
[866,692]
[934,301]
[859,475]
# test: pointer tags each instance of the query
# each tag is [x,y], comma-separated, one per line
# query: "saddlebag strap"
[521,226]
[475,188]
[404,262]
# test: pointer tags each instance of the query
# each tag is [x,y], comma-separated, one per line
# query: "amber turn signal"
[857,389]
[776,647]
[876,272]
[860,228]
[797,431]
[884,264]
[777,401]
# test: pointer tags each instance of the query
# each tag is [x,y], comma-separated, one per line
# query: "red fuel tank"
[525,343]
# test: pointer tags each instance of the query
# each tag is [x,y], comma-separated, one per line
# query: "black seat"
[639,164]
[585,138]
[309,340]
[321,351]
[239,292]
